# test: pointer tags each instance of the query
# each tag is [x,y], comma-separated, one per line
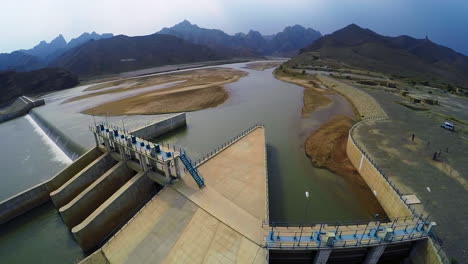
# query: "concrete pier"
[374,254]
[94,195]
[83,179]
[113,212]
[322,256]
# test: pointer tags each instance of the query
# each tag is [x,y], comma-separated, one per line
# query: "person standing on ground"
[412,137]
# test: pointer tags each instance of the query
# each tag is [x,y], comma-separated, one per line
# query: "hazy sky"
[23,23]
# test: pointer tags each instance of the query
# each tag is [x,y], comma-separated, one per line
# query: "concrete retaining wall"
[22,106]
[39,194]
[23,202]
[160,127]
[95,194]
[114,212]
[81,180]
[385,194]
[66,174]
[424,252]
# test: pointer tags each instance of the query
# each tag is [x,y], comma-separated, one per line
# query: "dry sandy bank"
[194,90]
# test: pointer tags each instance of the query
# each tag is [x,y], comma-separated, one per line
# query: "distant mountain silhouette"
[284,43]
[86,57]
[402,56]
[122,53]
[87,37]
[44,49]
[43,53]
[292,39]
[14,84]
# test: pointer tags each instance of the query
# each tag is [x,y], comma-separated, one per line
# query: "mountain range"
[285,43]
[122,53]
[93,54]
[401,56]
[109,54]
[43,53]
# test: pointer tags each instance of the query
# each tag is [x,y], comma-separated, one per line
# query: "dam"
[132,200]
[148,227]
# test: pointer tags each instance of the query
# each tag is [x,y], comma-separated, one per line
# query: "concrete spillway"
[102,189]
[95,194]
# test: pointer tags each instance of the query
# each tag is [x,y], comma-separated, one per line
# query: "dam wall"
[387,195]
[39,194]
[158,128]
[423,251]
[20,107]
[23,202]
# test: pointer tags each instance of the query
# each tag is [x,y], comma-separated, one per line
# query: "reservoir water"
[28,158]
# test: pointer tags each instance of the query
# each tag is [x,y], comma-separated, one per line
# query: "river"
[28,157]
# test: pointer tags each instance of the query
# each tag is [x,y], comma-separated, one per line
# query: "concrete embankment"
[391,202]
[39,194]
[160,127]
[368,108]
[18,108]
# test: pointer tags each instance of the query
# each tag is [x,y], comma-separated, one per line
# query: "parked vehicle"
[448,126]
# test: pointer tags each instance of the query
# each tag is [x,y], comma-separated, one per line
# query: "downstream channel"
[256,98]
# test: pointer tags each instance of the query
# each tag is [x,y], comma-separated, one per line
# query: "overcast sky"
[24,23]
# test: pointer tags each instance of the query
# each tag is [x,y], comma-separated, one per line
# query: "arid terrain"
[314,95]
[188,91]
[261,66]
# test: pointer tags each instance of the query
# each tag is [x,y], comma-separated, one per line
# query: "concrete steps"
[114,212]
[65,193]
[100,195]
[95,194]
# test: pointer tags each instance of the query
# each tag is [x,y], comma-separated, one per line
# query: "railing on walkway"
[225,145]
[310,236]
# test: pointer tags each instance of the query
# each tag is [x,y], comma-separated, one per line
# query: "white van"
[448,126]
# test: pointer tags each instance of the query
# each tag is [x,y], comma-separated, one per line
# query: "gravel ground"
[442,185]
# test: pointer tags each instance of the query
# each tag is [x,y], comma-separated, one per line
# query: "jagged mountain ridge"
[287,42]
[123,53]
[43,53]
[401,56]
